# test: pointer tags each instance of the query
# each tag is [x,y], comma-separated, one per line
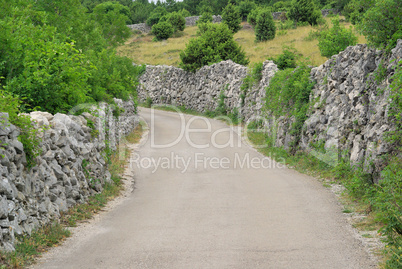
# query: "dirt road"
[204,199]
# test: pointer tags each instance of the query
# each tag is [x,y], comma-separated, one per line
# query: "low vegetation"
[142,50]
[214,44]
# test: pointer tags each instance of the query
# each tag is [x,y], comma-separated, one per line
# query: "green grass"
[142,50]
[29,247]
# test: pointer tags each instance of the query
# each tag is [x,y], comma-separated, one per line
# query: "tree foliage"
[47,58]
[215,44]
[245,7]
[113,17]
[382,23]
[335,39]
[156,15]
[231,18]
[304,11]
[265,28]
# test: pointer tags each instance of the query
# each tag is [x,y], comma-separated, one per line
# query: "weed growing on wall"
[288,95]
[28,134]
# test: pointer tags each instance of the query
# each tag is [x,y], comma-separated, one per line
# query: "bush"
[28,135]
[281,6]
[156,15]
[176,20]
[252,16]
[185,13]
[245,7]
[205,18]
[382,23]
[213,45]
[231,18]
[265,28]
[287,59]
[355,9]
[335,39]
[304,11]
[162,30]
[288,95]
[285,25]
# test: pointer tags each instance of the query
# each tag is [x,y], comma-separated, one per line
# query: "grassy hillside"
[142,50]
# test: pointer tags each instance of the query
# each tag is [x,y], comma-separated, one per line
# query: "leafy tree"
[355,9]
[155,15]
[139,12]
[113,18]
[215,44]
[382,23]
[46,73]
[335,39]
[72,22]
[245,7]
[162,30]
[231,18]
[304,11]
[265,28]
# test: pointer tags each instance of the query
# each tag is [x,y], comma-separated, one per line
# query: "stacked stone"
[70,168]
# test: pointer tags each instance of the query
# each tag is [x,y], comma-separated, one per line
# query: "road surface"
[202,200]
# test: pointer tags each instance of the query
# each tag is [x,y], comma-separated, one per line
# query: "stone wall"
[71,166]
[200,91]
[143,27]
[349,110]
[191,21]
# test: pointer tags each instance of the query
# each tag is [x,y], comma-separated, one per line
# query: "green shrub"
[252,16]
[231,18]
[287,59]
[156,15]
[304,11]
[395,112]
[176,20]
[206,17]
[113,17]
[185,13]
[382,23]
[285,25]
[253,78]
[288,95]
[213,45]
[281,6]
[245,7]
[45,72]
[265,28]
[355,10]
[28,135]
[335,39]
[162,30]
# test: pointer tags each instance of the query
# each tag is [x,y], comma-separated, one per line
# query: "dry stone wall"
[200,91]
[71,167]
[349,109]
